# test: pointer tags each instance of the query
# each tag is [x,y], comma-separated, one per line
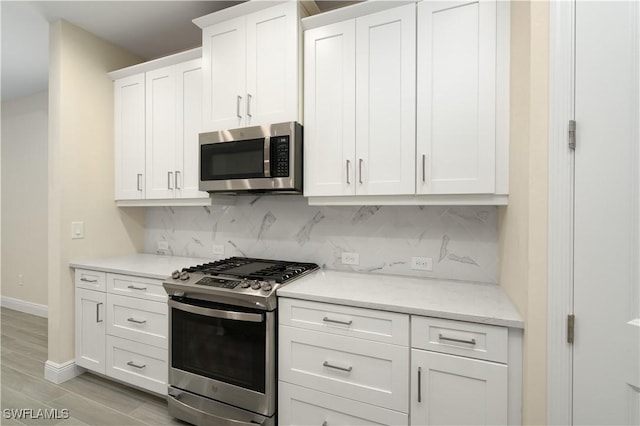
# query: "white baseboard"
[24,306]
[58,373]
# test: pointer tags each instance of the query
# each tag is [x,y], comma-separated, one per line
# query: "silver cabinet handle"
[139,182]
[348,164]
[86,280]
[327,319]
[169,179]
[238,99]
[360,170]
[176,180]
[335,367]
[98,312]
[451,339]
[424,168]
[136,321]
[249,104]
[419,384]
[133,287]
[133,364]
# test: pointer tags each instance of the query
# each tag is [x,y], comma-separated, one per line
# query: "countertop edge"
[115,270]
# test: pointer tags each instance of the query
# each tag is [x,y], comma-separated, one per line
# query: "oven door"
[223,352]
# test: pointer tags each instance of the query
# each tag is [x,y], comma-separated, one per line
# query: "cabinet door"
[385,99]
[188,126]
[329,110]
[129,137]
[452,390]
[224,75]
[90,329]
[456,97]
[272,65]
[161,132]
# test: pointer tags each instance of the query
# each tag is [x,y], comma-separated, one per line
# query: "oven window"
[230,351]
[232,160]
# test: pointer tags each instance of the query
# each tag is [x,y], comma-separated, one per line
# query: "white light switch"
[77,230]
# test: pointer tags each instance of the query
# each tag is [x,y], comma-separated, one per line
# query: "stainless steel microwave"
[252,159]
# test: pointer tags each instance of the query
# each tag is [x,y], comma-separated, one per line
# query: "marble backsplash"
[461,240]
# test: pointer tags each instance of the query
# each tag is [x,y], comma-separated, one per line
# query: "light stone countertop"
[457,300]
[140,264]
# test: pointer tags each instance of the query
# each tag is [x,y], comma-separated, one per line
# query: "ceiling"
[149,29]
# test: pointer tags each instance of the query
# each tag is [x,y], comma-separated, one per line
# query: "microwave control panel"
[279,156]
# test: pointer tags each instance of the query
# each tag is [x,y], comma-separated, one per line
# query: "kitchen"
[516,235]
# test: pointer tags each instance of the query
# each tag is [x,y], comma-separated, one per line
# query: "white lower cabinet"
[122,328]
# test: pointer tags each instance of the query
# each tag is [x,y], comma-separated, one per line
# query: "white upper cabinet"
[129,137]
[330,110]
[385,102]
[360,105]
[431,87]
[456,137]
[251,67]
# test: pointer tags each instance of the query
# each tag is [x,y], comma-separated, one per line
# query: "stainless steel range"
[222,340]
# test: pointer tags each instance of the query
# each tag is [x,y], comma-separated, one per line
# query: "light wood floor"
[90,399]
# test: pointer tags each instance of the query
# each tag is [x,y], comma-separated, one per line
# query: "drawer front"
[480,341]
[379,326]
[302,406]
[138,320]
[138,364]
[143,288]
[370,372]
[91,280]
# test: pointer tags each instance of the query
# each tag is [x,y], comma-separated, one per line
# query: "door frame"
[561,212]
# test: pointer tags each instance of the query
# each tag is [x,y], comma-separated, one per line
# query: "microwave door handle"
[267,156]
[216,313]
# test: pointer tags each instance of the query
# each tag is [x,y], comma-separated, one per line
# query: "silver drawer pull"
[326,364]
[133,287]
[451,339]
[327,319]
[133,364]
[86,280]
[136,321]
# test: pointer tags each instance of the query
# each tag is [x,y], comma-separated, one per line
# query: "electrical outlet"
[422,263]
[350,258]
[163,245]
[218,250]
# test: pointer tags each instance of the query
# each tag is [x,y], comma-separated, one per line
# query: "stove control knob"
[256,285]
[184,275]
[175,274]
[245,284]
[266,287]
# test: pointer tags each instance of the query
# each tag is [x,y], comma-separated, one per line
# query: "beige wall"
[523,223]
[24,198]
[81,170]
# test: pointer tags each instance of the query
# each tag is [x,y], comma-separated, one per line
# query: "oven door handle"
[217,313]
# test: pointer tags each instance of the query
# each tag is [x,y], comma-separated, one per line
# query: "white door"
[330,110]
[386,102]
[161,132]
[272,65]
[606,382]
[224,75]
[90,329]
[452,390]
[188,126]
[456,97]
[129,137]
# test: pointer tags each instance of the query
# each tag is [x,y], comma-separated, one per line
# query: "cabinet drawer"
[302,406]
[371,372]
[480,341]
[143,288]
[380,326]
[91,280]
[138,320]
[136,363]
